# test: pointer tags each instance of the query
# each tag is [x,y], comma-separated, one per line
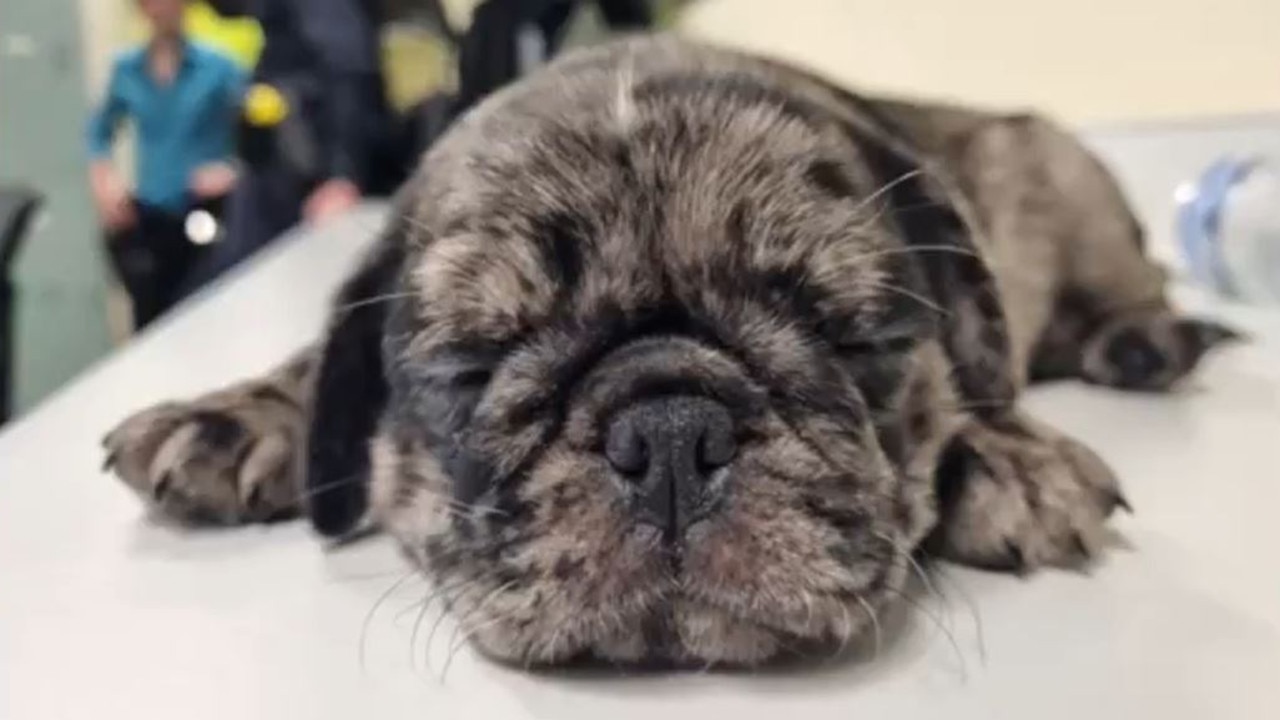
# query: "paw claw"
[192,462]
[1041,500]
[161,488]
[1120,501]
[1017,559]
[1082,548]
[253,501]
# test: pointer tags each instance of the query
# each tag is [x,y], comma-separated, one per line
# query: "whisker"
[916,567]
[875,622]
[932,588]
[888,187]
[415,605]
[426,603]
[548,648]
[368,618]
[357,577]
[454,644]
[458,508]
[457,629]
[940,627]
[898,289]
[373,301]
[973,613]
[887,206]
[443,593]
[916,250]
[431,637]
[423,606]
[325,487]
[415,223]
[456,648]
[947,185]
[846,634]
[462,508]
[808,609]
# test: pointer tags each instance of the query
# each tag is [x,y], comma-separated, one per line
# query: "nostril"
[690,437]
[716,447]
[668,453]
[626,449]
[718,444]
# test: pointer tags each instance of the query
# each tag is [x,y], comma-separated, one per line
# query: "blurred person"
[317,123]
[504,40]
[183,100]
[225,27]
[508,38]
[330,136]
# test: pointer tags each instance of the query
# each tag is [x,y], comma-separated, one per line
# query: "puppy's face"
[647,373]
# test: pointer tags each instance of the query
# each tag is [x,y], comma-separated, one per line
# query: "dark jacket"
[327,52]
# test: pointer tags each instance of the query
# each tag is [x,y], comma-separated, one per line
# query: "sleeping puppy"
[670,354]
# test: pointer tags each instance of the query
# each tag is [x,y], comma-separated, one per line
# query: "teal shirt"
[179,126]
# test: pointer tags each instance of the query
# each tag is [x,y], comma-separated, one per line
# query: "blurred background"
[135,170]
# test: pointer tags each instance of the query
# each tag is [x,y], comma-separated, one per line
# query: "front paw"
[1018,496]
[222,463]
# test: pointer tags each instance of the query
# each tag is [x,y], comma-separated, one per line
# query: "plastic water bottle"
[1229,229]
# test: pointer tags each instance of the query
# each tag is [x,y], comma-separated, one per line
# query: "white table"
[104,615]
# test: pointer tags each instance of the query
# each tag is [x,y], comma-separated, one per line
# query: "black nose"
[668,449]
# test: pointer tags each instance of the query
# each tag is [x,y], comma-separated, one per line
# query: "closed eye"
[458,368]
[472,378]
[445,391]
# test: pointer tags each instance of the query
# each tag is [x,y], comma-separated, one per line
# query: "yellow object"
[239,38]
[264,106]
[415,63]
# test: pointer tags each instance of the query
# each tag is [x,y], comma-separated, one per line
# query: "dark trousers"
[154,259]
[266,201]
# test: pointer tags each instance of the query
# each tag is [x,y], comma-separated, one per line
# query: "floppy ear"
[935,218]
[350,391]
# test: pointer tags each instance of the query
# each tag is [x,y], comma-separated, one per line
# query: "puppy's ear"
[937,222]
[350,392]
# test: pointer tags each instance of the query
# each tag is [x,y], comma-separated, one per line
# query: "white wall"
[1086,61]
[101,23]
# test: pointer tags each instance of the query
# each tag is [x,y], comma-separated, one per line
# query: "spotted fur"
[865,284]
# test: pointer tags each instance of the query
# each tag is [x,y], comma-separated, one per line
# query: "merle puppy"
[674,354]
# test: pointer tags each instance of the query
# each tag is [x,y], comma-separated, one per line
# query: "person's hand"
[111,196]
[332,198]
[212,180]
[117,211]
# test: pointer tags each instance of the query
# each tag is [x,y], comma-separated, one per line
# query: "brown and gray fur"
[866,285]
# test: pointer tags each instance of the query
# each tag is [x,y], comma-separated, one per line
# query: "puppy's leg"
[1015,495]
[1112,323]
[229,457]
[1146,345]
[1148,350]
[237,455]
